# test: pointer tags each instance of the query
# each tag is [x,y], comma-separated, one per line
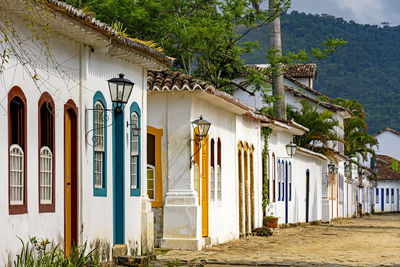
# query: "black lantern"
[202,127]
[201,131]
[120,90]
[291,149]
[332,169]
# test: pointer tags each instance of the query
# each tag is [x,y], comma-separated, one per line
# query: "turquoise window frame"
[100,192]
[135,191]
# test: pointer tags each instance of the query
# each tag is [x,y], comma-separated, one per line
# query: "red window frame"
[16,92]
[46,99]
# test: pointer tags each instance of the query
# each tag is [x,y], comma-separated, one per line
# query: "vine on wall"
[266,132]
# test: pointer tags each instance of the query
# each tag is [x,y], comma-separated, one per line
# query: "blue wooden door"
[382,199]
[286,193]
[307,193]
[118,179]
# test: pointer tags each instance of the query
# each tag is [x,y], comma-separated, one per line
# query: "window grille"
[99,144]
[134,151]
[377,195]
[151,182]
[16,175]
[46,175]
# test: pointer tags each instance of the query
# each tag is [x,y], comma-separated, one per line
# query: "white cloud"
[365,11]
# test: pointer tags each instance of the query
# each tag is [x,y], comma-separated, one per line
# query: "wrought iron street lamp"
[200,128]
[120,91]
[291,149]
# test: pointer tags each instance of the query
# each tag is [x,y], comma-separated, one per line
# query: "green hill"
[367,68]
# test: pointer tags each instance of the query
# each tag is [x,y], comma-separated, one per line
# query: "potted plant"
[270,221]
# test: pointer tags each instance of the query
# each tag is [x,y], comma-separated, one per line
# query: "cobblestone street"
[371,240]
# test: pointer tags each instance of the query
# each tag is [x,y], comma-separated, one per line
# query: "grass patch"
[172,263]
[162,250]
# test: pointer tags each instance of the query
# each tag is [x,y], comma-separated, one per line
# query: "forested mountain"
[367,68]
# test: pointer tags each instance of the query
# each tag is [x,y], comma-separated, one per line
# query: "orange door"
[204,186]
[68,182]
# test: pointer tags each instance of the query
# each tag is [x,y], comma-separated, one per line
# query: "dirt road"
[371,240]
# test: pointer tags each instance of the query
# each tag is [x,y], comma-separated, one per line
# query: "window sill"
[45,208]
[17,209]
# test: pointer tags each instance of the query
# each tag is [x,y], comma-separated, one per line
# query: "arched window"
[46,155]
[100,145]
[279,180]
[212,171]
[273,178]
[135,149]
[219,181]
[17,145]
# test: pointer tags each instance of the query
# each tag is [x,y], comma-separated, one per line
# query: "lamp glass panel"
[120,91]
[113,90]
[203,129]
[127,92]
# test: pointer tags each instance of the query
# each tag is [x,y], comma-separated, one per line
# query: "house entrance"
[70,177]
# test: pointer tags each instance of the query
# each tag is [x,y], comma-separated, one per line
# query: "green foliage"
[365,69]
[173,263]
[40,252]
[358,143]
[395,165]
[263,231]
[321,125]
[266,132]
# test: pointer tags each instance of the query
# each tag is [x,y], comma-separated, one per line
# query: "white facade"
[184,218]
[77,72]
[387,196]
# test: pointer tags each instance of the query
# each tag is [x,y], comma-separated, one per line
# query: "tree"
[277,74]
[358,143]
[321,126]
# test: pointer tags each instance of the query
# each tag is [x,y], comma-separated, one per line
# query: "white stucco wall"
[388,144]
[387,184]
[80,74]
[179,196]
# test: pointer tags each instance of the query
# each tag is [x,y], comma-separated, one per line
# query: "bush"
[41,252]
[263,231]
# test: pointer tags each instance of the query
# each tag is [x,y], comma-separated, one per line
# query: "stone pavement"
[369,241]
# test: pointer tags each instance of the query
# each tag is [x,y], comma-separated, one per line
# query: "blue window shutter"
[135,191]
[100,192]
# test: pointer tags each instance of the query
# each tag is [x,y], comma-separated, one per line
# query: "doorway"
[286,193]
[118,179]
[70,177]
[382,199]
[204,187]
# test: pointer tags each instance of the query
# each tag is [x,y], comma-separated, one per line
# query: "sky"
[361,11]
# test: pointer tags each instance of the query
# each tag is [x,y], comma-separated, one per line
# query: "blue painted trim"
[101,192]
[307,194]
[387,195]
[382,199]
[286,193]
[377,195]
[135,108]
[119,176]
[392,200]
[279,180]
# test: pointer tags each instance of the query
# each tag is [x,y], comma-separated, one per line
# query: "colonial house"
[298,82]
[210,191]
[387,190]
[73,156]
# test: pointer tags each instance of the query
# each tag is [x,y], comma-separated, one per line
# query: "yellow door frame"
[157,133]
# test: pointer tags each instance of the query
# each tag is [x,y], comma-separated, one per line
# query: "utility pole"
[277,74]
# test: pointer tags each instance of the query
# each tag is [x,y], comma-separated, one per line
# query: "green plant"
[266,132]
[263,231]
[41,252]
[174,262]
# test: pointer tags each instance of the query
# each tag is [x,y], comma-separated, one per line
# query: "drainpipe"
[80,109]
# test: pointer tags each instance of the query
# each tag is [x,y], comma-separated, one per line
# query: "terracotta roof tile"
[303,71]
[104,28]
[383,171]
[387,130]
